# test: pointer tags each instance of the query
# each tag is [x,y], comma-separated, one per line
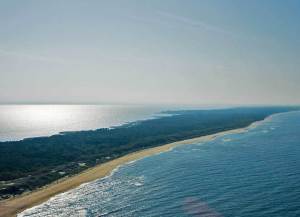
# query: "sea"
[26,121]
[18,122]
[249,174]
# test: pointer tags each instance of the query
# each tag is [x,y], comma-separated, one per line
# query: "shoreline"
[14,206]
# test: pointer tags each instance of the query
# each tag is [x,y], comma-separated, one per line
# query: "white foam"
[226,139]
[138,184]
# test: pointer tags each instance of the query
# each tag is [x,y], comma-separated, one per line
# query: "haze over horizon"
[178,52]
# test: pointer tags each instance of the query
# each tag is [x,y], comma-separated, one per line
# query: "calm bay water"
[249,174]
[23,121]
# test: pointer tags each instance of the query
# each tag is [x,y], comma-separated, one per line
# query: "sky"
[150,52]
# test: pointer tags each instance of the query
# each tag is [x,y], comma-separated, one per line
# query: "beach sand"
[13,206]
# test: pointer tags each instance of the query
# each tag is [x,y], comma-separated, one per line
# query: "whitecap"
[138,184]
[226,139]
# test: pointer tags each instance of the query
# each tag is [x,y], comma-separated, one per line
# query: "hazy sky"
[192,52]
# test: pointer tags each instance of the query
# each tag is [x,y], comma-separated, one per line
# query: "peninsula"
[33,170]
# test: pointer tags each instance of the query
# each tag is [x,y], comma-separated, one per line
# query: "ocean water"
[256,173]
[24,121]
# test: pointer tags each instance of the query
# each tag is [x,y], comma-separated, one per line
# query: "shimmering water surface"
[255,173]
[23,121]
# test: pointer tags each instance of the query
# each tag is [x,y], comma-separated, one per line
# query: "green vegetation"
[32,163]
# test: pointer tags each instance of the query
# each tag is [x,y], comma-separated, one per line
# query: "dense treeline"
[34,162]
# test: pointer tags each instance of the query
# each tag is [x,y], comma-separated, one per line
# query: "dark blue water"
[256,173]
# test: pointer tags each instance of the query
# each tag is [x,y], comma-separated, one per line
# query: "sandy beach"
[13,206]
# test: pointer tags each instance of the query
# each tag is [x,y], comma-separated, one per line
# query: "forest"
[32,163]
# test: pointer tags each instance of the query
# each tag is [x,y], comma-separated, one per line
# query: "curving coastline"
[12,207]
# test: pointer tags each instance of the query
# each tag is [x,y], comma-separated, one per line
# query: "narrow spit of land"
[34,164]
[16,205]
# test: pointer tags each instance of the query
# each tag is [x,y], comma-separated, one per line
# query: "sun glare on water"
[43,114]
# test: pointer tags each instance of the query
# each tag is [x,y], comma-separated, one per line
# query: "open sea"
[255,173]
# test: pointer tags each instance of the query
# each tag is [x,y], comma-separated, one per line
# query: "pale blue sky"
[191,52]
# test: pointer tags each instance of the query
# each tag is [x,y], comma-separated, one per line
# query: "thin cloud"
[196,23]
[27,56]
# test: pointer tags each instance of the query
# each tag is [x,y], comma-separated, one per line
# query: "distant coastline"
[14,206]
[19,122]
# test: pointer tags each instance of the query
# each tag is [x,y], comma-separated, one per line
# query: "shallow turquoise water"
[256,173]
